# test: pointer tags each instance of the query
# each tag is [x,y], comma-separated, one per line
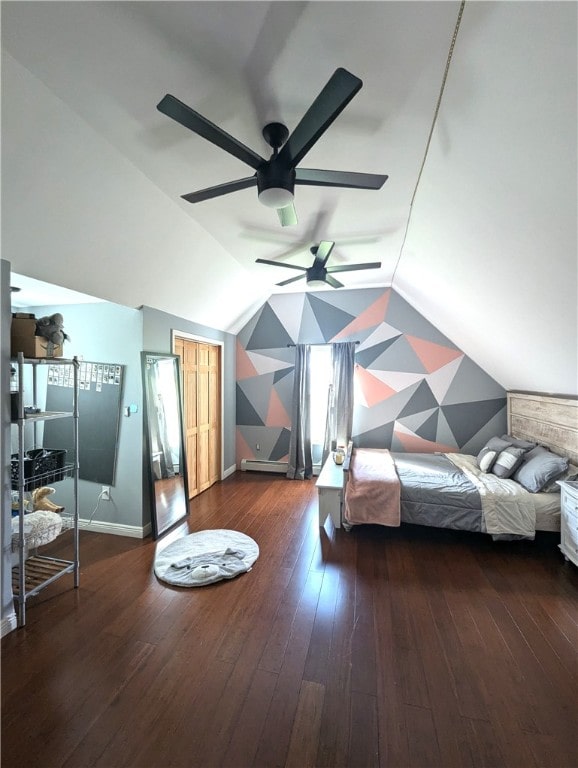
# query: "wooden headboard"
[550,420]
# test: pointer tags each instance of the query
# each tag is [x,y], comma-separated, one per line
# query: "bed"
[473,493]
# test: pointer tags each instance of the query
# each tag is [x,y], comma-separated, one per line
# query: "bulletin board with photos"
[99,405]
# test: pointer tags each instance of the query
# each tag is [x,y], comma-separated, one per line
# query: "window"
[321,375]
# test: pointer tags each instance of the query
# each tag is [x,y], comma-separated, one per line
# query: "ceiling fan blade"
[320,224]
[287,215]
[220,189]
[354,267]
[335,96]
[291,280]
[318,178]
[322,254]
[333,282]
[279,264]
[187,116]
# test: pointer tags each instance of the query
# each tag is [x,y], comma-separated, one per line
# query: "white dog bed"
[205,557]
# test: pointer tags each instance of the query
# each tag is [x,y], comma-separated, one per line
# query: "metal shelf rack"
[32,574]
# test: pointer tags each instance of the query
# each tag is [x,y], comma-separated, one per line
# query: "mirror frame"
[163,520]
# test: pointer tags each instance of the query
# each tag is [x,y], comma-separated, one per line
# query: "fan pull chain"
[427,146]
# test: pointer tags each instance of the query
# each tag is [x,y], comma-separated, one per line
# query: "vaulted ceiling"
[476,225]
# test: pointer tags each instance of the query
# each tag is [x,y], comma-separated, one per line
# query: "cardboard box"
[22,339]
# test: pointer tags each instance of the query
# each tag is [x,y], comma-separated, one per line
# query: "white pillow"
[486,461]
[508,462]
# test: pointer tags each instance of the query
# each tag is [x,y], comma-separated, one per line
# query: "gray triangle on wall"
[246,414]
[380,437]
[268,333]
[330,319]
[401,314]
[281,447]
[472,383]
[466,419]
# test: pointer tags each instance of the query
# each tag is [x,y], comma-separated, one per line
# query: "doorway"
[201,381]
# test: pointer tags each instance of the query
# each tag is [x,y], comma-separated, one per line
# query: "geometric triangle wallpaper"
[414,389]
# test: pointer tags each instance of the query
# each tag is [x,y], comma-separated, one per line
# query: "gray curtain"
[340,406]
[300,460]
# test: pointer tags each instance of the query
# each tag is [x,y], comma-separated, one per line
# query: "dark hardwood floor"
[379,647]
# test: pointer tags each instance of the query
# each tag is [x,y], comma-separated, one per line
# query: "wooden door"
[201,377]
[203,396]
[214,384]
[188,354]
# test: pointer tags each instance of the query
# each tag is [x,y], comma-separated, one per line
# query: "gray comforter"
[449,490]
[435,492]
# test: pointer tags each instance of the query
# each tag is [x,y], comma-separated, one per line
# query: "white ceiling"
[92,173]
[28,292]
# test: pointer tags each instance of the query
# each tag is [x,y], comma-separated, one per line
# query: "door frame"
[214,343]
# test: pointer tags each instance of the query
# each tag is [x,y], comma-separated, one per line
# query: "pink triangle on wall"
[277,416]
[373,389]
[415,444]
[245,368]
[431,355]
[372,316]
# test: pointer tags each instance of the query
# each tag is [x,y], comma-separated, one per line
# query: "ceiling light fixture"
[276,197]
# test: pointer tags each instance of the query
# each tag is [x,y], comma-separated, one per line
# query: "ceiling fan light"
[316,283]
[276,197]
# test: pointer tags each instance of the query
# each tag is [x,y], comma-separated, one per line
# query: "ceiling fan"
[276,178]
[318,274]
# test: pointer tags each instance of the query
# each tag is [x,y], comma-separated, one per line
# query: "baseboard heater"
[259,465]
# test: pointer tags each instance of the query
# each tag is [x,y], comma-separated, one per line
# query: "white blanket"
[40,527]
[508,509]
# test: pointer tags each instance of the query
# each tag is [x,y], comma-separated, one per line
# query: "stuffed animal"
[40,500]
[50,328]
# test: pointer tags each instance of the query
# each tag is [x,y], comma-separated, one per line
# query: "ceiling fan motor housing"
[316,275]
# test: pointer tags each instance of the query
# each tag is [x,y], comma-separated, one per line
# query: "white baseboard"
[228,472]
[117,529]
[8,624]
[259,465]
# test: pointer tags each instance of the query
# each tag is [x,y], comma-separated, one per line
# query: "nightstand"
[330,489]
[569,520]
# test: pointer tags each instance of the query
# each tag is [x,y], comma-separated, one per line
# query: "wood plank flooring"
[380,647]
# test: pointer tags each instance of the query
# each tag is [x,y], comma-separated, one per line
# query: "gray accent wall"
[415,389]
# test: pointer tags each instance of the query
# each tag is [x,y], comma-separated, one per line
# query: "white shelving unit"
[31,574]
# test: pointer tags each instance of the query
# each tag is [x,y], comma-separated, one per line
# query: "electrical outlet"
[257,447]
[105,493]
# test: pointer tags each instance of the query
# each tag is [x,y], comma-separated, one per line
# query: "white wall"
[77,213]
[491,256]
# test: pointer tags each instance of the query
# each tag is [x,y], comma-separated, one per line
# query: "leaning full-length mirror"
[164,441]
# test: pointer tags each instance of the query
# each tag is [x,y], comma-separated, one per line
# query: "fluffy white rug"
[205,557]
